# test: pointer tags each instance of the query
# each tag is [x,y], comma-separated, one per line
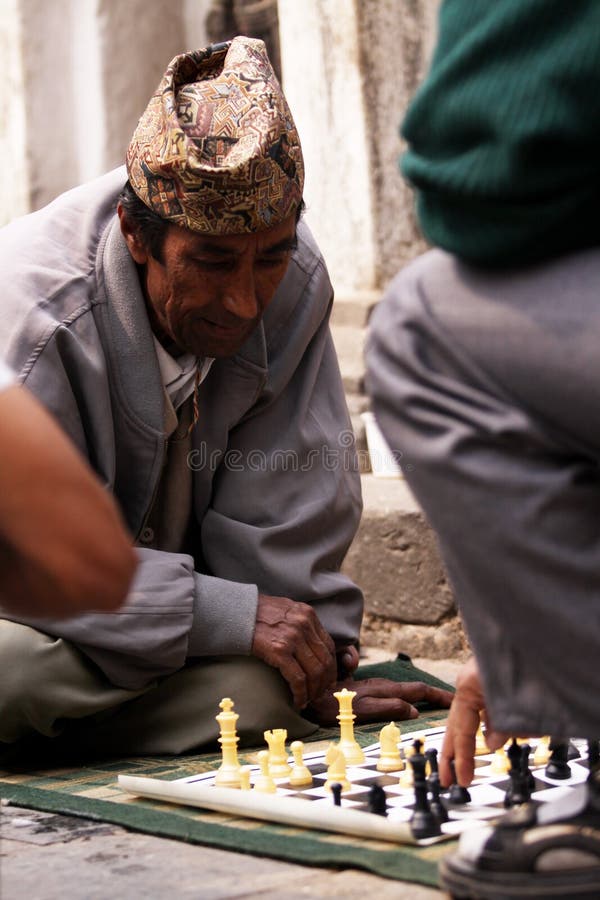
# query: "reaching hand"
[466,711]
[289,637]
[379,700]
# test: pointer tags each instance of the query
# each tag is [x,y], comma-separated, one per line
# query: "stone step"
[349,344]
[409,606]
[353,309]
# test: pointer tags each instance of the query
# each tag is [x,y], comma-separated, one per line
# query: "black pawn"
[433,782]
[377,801]
[593,754]
[423,822]
[457,794]
[528,777]
[558,768]
[431,757]
[336,790]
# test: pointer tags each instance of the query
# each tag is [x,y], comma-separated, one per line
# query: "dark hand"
[289,637]
[379,700]
[348,658]
[468,707]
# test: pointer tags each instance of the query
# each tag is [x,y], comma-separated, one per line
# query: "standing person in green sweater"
[484,371]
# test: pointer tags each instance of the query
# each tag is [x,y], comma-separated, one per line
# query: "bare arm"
[63,547]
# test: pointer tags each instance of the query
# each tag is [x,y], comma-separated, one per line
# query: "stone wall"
[80,73]
[409,605]
[14,177]
[396,41]
[349,69]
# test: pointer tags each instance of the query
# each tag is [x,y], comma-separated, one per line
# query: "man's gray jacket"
[276,494]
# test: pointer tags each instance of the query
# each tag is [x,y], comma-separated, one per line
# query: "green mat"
[91,790]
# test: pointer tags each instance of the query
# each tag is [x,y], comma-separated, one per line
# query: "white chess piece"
[300,775]
[390,759]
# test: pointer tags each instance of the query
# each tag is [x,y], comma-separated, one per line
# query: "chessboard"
[312,806]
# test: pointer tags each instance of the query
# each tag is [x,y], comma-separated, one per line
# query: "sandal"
[546,851]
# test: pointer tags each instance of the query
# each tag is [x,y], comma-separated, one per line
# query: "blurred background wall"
[78,74]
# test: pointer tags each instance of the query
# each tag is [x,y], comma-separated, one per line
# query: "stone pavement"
[44,856]
[48,857]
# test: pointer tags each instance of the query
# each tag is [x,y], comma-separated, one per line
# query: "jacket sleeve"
[148,636]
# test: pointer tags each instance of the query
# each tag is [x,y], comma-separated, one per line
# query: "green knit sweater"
[504,134]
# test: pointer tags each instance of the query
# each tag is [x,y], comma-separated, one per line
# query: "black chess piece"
[593,754]
[423,822]
[558,768]
[377,801]
[528,777]
[457,794]
[518,791]
[431,757]
[336,791]
[433,782]
[573,751]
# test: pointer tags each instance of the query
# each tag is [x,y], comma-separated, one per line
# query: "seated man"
[55,559]
[484,369]
[176,323]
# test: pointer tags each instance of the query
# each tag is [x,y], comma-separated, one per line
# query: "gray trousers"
[488,385]
[49,689]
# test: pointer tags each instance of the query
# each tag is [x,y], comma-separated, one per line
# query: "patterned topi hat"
[217,150]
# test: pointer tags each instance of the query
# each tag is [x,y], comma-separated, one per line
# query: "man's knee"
[262,700]
[21,649]
[19,646]
[36,675]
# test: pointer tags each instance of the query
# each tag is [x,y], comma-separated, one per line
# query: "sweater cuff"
[224,616]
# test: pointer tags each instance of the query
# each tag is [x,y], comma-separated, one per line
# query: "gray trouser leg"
[179,714]
[489,387]
[48,688]
[45,681]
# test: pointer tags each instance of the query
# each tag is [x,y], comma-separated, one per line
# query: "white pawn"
[300,774]
[264,782]
[500,763]
[407,777]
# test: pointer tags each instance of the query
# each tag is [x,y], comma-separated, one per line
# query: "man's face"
[210,292]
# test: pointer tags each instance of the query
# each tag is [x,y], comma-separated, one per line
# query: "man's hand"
[379,700]
[348,659]
[289,637]
[468,706]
